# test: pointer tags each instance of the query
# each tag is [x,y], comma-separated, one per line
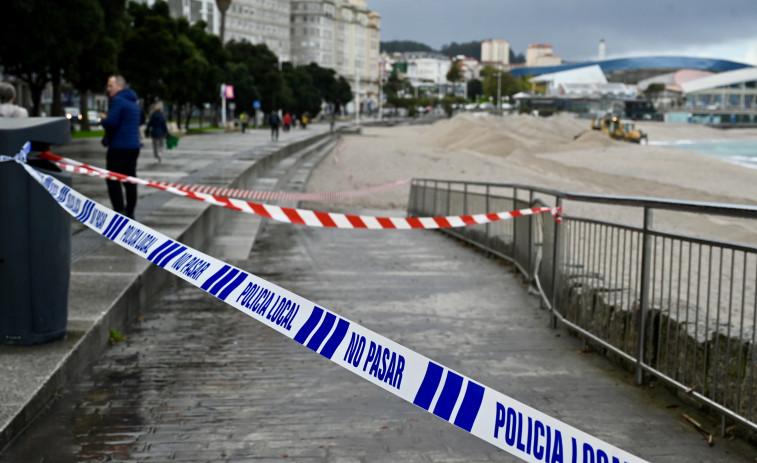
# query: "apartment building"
[343,35]
[256,21]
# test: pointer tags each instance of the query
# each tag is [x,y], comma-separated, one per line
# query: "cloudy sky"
[702,28]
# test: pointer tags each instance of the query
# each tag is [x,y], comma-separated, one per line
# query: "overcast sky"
[701,28]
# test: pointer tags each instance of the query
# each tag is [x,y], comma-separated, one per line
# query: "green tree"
[475,88]
[262,65]
[455,73]
[307,96]
[470,49]
[39,39]
[516,59]
[508,85]
[149,51]
[401,46]
[217,58]
[188,60]
[98,58]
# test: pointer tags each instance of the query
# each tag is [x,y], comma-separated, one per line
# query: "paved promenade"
[196,380]
[109,286]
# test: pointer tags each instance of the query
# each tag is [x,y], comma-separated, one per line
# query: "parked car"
[72,114]
[94,117]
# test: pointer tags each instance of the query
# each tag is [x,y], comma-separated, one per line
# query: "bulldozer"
[619,129]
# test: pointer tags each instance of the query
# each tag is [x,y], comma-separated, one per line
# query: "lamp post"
[222,6]
[499,91]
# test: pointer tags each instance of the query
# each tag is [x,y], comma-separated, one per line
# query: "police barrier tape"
[71,165]
[487,414]
[329,219]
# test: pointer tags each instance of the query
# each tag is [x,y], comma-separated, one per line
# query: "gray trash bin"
[35,237]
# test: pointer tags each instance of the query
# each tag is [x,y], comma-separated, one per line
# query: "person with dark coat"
[275,121]
[122,134]
[157,129]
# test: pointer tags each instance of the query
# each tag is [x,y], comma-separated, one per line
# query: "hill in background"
[469,49]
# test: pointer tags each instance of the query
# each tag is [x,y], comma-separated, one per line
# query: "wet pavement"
[196,380]
[108,285]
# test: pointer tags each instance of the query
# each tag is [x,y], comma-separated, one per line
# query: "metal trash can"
[35,237]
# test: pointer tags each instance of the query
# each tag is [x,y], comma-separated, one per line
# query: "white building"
[256,21]
[726,90]
[541,54]
[426,69]
[342,35]
[495,51]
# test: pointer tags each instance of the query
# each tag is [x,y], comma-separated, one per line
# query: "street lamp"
[222,6]
[499,91]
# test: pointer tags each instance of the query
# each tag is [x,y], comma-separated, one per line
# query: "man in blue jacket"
[122,133]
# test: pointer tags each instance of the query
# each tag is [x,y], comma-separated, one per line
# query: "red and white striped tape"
[317,218]
[71,165]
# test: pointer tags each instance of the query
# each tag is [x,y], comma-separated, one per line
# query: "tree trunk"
[189,116]
[57,109]
[83,97]
[178,116]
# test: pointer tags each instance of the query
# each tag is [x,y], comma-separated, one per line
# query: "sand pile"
[502,136]
[557,152]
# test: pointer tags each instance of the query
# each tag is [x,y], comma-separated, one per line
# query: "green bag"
[172,142]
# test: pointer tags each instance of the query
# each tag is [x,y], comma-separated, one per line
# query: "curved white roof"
[722,79]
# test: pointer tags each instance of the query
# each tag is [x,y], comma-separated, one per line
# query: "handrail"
[677,307]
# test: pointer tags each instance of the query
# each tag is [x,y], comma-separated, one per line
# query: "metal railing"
[664,299]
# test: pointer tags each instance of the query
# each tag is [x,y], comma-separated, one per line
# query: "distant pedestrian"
[287,122]
[7,99]
[274,120]
[243,120]
[121,125]
[304,121]
[157,129]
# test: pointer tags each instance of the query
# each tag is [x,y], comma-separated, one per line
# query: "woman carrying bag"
[157,129]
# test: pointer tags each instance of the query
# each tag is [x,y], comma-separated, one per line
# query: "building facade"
[343,35]
[495,51]
[541,54]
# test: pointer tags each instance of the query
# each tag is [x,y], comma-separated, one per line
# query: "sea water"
[742,152]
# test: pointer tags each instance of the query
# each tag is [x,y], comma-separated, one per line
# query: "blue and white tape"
[489,415]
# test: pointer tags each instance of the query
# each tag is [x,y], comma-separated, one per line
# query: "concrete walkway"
[199,381]
[109,286]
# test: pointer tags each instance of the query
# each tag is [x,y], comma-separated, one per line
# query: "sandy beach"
[559,152]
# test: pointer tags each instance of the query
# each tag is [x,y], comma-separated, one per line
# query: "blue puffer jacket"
[123,120]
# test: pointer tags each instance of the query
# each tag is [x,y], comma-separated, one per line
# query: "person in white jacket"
[7,107]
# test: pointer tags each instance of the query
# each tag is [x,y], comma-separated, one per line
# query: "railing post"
[515,227]
[436,188]
[465,199]
[530,248]
[411,200]
[449,197]
[488,210]
[644,296]
[423,198]
[555,264]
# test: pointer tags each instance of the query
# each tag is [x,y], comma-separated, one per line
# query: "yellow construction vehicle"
[619,129]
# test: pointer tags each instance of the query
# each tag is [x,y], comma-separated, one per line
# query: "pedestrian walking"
[287,122]
[243,120]
[304,121]
[8,108]
[274,120]
[121,125]
[157,129]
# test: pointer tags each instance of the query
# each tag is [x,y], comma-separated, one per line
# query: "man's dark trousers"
[124,162]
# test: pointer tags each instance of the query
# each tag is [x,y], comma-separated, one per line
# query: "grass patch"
[88,134]
[202,129]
